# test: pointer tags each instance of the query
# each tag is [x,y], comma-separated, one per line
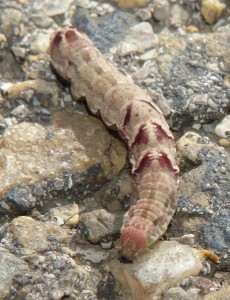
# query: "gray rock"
[9,267]
[98,225]
[204,194]
[140,38]
[161,9]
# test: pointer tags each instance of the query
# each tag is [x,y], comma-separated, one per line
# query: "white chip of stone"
[19,51]
[140,38]
[196,126]
[223,128]
[5,86]
[20,111]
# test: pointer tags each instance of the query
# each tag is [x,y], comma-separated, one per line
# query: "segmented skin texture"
[125,106]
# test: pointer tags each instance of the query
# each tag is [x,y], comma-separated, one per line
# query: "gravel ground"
[65,179]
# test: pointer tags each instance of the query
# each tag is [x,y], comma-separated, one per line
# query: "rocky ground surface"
[64,177]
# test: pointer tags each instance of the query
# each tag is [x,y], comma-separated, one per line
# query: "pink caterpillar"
[140,122]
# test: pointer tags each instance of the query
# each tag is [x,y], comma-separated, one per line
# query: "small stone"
[223,128]
[204,284]
[161,9]
[148,55]
[42,20]
[140,38]
[98,224]
[68,214]
[192,29]
[127,4]
[19,51]
[176,293]
[41,43]
[35,260]
[107,245]
[196,126]
[144,14]
[38,190]
[10,121]
[20,111]
[59,183]
[3,41]
[189,146]
[34,235]
[211,10]
[224,142]
[178,15]
[141,73]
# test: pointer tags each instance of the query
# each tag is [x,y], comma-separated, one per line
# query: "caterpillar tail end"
[133,241]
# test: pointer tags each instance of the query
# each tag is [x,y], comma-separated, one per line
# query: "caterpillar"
[126,107]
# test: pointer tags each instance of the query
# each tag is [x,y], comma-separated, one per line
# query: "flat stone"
[158,269]
[31,152]
[36,236]
[140,38]
[10,266]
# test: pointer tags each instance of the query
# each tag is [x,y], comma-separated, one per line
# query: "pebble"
[176,293]
[40,42]
[161,9]
[144,14]
[223,128]
[19,51]
[204,284]
[140,38]
[98,224]
[3,41]
[189,146]
[178,16]
[142,73]
[68,214]
[20,111]
[127,4]
[211,10]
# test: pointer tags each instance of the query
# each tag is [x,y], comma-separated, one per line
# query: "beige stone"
[211,10]
[222,294]
[35,236]
[152,273]
[131,3]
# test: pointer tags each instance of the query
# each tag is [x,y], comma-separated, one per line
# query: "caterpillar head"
[64,44]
